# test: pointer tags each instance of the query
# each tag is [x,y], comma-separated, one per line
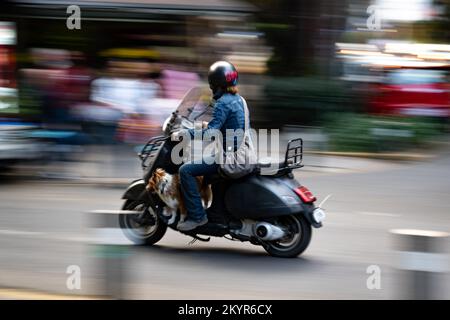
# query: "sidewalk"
[118,165]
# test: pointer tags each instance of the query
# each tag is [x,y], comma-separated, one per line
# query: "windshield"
[196,104]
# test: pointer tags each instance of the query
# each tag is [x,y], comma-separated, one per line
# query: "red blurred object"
[306,195]
[413,92]
[7,67]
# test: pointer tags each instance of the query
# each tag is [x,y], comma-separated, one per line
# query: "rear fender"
[260,197]
[307,212]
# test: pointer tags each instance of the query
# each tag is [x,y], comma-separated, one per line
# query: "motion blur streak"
[367,90]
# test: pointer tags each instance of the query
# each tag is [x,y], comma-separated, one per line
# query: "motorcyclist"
[228,114]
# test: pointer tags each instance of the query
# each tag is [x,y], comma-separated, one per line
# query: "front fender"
[135,191]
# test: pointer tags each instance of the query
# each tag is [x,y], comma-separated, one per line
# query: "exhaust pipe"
[267,231]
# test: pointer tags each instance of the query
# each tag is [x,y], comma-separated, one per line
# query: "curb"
[22,294]
[374,155]
[105,182]
[124,182]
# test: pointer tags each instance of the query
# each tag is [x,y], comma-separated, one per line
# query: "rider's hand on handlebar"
[175,136]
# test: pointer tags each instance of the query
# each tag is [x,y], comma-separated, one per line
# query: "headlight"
[186,124]
[166,122]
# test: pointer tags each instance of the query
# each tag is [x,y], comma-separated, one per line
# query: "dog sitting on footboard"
[167,187]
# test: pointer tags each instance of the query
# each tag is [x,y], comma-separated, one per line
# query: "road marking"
[364,213]
[47,235]
[20,232]
[339,213]
[381,214]
[94,236]
[35,295]
[105,211]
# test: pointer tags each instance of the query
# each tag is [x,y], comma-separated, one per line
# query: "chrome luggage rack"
[294,154]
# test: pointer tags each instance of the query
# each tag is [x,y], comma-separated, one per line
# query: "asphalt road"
[44,229]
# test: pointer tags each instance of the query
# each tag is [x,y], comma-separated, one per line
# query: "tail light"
[305,194]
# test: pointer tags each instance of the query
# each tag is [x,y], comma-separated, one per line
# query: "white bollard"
[111,250]
[422,260]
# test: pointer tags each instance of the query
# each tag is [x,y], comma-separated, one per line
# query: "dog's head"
[158,178]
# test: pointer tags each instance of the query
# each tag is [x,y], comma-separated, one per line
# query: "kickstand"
[195,238]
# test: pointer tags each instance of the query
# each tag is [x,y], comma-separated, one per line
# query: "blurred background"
[364,83]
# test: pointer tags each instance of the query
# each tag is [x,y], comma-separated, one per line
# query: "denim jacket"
[228,114]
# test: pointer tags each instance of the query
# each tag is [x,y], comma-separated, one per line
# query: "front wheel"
[298,235]
[144,228]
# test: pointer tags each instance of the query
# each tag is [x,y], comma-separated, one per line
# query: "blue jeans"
[189,189]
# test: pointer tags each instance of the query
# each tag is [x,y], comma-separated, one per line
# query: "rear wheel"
[143,228]
[298,235]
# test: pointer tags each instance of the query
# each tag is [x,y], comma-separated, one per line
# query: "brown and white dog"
[168,188]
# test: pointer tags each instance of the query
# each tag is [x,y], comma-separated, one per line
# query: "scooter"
[273,211]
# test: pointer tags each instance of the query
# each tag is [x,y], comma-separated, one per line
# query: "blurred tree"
[442,27]
[290,27]
[302,34]
[436,30]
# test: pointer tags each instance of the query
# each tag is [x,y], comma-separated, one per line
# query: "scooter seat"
[271,168]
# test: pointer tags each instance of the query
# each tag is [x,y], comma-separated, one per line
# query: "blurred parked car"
[413,92]
[16,144]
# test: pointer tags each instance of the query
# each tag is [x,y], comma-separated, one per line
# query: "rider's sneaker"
[188,225]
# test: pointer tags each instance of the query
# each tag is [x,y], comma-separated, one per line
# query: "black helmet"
[222,74]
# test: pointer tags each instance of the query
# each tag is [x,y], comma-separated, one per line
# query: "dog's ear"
[151,186]
[160,172]
[156,177]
